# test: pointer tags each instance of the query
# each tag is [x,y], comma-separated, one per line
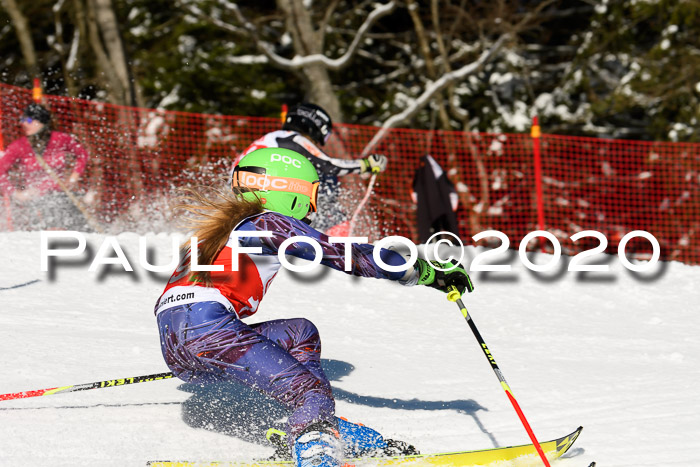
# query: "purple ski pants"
[203,342]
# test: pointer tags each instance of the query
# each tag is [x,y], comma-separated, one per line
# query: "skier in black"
[306,128]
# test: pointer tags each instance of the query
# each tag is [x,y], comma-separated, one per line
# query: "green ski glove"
[442,280]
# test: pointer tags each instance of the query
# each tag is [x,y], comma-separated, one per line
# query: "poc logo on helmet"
[285,159]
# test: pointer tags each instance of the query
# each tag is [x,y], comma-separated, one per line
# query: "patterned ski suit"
[204,339]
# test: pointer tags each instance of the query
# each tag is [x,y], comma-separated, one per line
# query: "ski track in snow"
[23,284]
[615,352]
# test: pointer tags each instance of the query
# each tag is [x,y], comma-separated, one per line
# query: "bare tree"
[24,35]
[424,48]
[434,88]
[107,45]
[68,53]
[308,36]
[495,18]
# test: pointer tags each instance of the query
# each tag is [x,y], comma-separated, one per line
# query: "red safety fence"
[138,157]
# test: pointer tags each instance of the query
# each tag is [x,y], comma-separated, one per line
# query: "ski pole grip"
[453,295]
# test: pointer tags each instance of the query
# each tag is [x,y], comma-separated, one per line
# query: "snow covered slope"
[616,352]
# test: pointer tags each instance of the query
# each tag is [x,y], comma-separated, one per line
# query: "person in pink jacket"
[40,201]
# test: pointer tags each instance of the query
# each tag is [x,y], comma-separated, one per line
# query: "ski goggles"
[26,120]
[256,179]
[327,136]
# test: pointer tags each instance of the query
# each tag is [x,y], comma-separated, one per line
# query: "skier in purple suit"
[200,314]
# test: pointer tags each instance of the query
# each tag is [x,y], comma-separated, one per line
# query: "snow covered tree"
[638,68]
[624,68]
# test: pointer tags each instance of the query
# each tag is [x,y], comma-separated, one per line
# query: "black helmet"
[311,120]
[37,112]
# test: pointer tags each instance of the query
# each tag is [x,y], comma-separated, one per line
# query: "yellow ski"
[524,455]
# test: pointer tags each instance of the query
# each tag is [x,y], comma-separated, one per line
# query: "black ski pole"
[84,387]
[455,296]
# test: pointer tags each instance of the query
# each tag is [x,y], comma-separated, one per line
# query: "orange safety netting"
[138,156]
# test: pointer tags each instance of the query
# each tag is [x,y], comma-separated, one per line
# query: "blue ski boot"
[318,446]
[359,440]
[362,441]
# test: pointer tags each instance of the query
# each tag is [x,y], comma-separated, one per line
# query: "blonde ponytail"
[211,214]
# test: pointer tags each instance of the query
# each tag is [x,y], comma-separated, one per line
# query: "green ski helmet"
[283,180]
